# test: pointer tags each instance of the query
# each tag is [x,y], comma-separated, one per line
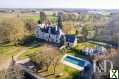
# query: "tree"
[84,32]
[12,73]
[11,29]
[67,27]
[49,56]
[37,60]
[55,63]
[77,32]
[30,25]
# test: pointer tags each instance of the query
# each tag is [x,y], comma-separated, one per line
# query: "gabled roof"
[70,38]
[53,30]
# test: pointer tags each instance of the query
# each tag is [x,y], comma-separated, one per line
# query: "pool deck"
[78,67]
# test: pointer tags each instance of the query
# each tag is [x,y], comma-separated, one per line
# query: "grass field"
[28,52]
[27,16]
[36,18]
[8,50]
[84,45]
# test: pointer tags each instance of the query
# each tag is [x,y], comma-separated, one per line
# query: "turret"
[59,19]
[42,17]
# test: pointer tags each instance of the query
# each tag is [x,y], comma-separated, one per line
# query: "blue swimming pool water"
[74,61]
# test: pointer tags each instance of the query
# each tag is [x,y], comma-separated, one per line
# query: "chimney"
[56,28]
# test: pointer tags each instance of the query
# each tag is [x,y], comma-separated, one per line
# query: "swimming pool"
[75,62]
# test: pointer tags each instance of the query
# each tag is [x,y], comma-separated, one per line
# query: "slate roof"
[70,38]
[53,30]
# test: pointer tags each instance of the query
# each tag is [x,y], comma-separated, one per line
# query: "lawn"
[35,17]
[52,18]
[84,45]
[28,52]
[8,50]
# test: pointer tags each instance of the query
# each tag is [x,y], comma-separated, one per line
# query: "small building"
[70,40]
[99,50]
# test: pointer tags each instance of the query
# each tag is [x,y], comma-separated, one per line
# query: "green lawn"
[28,52]
[8,50]
[52,18]
[5,49]
[35,18]
[84,45]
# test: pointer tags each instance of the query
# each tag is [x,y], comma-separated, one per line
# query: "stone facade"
[49,33]
[53,34]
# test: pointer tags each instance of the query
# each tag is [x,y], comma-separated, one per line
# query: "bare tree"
[11,73]
[84,33]
[49,56]
[30,25]
[11,29]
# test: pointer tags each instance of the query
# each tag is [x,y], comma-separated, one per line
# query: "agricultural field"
[34,17]
[37,17]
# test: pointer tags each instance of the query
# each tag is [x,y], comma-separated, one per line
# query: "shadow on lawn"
[33,42]
[30,41]
[74,75]
[6,44]
[107,44]
[49,75]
